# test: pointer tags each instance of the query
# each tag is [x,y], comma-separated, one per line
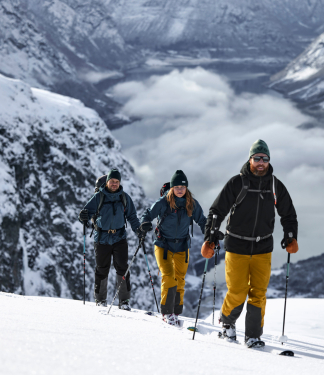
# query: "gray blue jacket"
[175,225]
[111,215]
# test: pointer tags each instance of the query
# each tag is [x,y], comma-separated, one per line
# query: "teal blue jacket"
[175,225]
[111,215]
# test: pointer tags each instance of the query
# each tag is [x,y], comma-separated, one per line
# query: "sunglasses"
[258,159]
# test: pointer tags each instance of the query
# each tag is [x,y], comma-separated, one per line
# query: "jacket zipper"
[256,217]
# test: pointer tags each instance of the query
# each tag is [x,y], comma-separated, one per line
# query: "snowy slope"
[303,79]
[52,151]
[56,336]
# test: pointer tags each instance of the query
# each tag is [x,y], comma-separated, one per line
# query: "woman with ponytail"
[175,211]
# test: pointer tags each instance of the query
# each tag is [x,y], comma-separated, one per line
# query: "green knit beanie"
[114,174]
[179,178]
[259,146]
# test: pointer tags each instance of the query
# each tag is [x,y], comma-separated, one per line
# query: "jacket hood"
[245,170]
[112,196]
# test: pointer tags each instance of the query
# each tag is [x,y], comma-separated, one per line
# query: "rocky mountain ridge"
[303,78]
[79,48]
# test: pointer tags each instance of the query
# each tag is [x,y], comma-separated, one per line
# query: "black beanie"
[178,178]
[114,174]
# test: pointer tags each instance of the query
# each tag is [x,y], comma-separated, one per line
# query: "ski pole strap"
[257,239]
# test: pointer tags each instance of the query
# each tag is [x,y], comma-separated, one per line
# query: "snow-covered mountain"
[50,45]
[303,79]
[237,28]
[79,48]
[52,151]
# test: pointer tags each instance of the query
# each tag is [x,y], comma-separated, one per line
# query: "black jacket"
[255,215]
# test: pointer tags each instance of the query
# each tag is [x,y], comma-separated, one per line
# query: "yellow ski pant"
[246,276]
[173,270]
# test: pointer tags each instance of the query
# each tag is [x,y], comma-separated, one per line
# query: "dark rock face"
[306,279]
[52,151]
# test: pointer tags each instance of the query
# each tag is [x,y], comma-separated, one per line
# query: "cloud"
[95,77]
[192,120]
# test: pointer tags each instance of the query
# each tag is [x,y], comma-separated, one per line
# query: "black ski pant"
[119,252]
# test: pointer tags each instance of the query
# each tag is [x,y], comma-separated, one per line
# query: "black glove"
[143,229]
[83,216]
[288,238]
[213,238]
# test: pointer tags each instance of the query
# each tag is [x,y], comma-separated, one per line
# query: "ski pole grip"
[213,225]
[84,228]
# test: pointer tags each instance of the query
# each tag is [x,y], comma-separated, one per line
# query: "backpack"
[246,188]
[99,182]
[165,187]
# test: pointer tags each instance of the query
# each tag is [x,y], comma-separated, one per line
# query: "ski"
[256,345]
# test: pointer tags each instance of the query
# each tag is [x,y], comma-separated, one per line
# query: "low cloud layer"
[192,120]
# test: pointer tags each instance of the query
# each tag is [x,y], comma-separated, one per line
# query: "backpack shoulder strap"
[167,212]
[102,198]
[244,190]
[274,188]
[123,199]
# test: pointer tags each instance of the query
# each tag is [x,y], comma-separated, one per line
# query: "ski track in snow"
[41,335]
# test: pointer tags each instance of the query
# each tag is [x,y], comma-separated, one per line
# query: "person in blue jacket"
[175,211]
[110,236]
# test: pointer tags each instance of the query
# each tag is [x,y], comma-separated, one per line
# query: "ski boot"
[102,303]
[253,342]
[229,332]
[171,319]
[125,305]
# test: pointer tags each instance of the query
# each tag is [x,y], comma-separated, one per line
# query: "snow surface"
[57,336]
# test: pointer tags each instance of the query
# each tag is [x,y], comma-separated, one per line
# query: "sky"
[192,120]
[41,335]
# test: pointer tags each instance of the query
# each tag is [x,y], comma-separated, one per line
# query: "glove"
[292,247]
[207,249]
[289,243]
[143,229]
[83,216]
[213,238]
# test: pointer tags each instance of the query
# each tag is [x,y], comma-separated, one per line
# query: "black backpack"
[165,187]
[246,188]
[99,182]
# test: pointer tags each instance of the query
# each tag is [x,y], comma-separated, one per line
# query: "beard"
[257,172]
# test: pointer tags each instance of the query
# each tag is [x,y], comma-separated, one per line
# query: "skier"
[110,236]
[175,211]
[251,198]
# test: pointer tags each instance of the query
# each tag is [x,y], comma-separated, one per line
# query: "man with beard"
[110,236]
[250,198]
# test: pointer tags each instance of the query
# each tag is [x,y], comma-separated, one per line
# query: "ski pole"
[202,287]
[150,277]
[216,254]
[124,276]
[84,242]
[287,278]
